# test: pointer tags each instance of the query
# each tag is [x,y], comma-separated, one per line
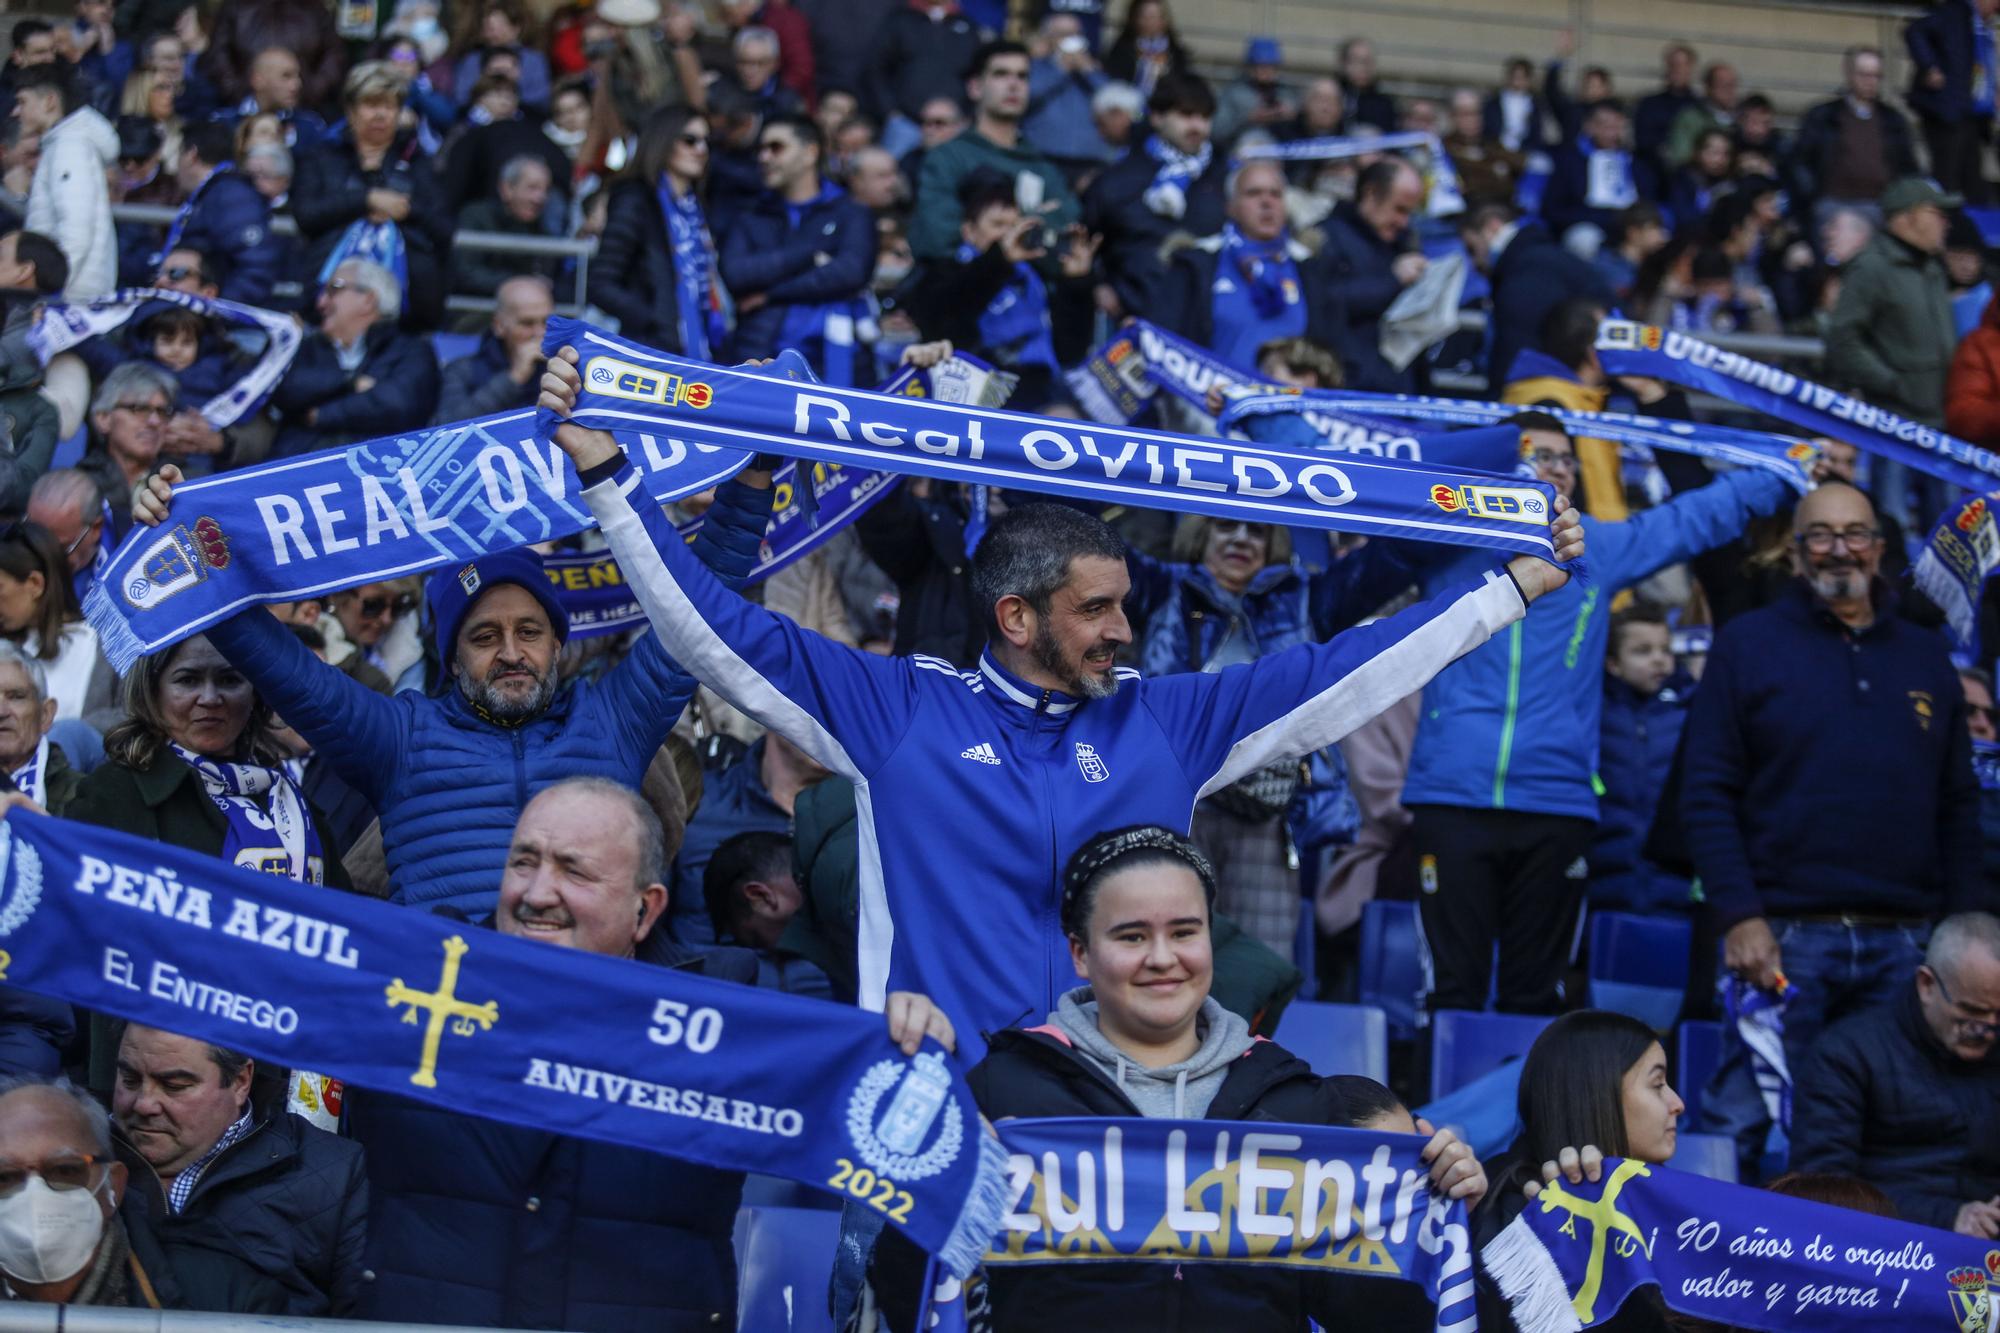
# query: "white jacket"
[70,204]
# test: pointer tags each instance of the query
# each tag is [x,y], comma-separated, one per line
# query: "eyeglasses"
[1229,527]
[62,1175]
[78,540]
[1975,1028]
[694,141]
[157,411]
[771,147]
[1820,540]
[938,122]
[1552,458]
[179,273]
[373,608]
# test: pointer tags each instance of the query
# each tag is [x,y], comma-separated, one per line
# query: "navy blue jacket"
[1532,277]
[1569,187]
[448,784]
[229,219]
[34,1029]
[1942,39]
[1115,207]
[476,1221]
[478,384]
[733,801]
[1653,119]
[1827,771]
[1187,304]
[1359,261]
[1636,739]
[405,392]
[767,251]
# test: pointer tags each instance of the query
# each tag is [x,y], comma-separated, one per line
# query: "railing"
[499,241]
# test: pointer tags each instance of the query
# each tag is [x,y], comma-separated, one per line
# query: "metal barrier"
[499,241]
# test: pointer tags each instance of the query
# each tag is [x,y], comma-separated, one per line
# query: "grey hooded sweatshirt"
[1177,1092]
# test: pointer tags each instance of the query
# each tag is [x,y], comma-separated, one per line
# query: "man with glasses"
[358,376]
[56,1159]
[257,1212]
[798,263]
[1903,1096]
[1828,796]
[128,419]
[69,504]
[1502,773]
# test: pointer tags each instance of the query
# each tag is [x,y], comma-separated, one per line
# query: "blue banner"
[637,394]
[476,1022]
[1963,549]
[1626,348]
[1744,1258]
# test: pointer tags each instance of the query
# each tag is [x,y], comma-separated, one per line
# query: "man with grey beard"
[449,772]
[1828,798]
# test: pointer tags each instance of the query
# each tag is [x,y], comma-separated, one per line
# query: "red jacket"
[1972,388]
[795,49]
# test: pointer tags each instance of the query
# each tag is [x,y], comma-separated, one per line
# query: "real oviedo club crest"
[919,1132]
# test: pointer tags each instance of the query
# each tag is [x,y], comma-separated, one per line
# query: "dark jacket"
[632,276]
[733,800]
[403,397]
[1819,138]
[1653,119]
[1806,745]
[773,250]
[230,219]
[1881,1098]
[1359,260]
[1942,40]
[31,424]
[1532,277]
[916,58]
[1566,202]
[275,1225]
[1637,737]
[476,1221]
[1187,299]
[303,27]
[1115,207]
[480,272]
[1369,106]
[1037,1074]
[165,801]
[1892,335]
[920,545]
[950,300]
[480,384]
[471,170]
[35,1030]
[330,192]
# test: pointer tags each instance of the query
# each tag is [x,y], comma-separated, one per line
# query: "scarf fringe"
[1526,1273]
[985,1204]
[114,632]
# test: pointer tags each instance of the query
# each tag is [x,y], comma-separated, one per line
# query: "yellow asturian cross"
[1603,1215]
[442,1003]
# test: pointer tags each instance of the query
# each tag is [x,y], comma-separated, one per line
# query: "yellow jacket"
[1596,460]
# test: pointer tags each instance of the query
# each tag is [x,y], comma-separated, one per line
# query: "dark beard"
[1076,681]
[488,702]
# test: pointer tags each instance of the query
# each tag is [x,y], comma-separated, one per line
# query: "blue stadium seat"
[1337,1038]
[1465,1045]
[1639,965]
[1711,1155]
[451,347]
[1698,1053]
[70,451]
[1392,968]
[783,1256]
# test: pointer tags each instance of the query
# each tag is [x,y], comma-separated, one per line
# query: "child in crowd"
[1645,705]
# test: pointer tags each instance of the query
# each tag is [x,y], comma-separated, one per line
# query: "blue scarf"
[271,827]
[635,392]
[1167,196]
[1740,1257]
[702,324]
[1443,196]
[1626,348]
[1962,550]
[1307,1198]
[827,331]
[1986,764]
[186,212]
[476,1023]
[60,326]
[1015,327]
[378,243]
[1257,295]
[1987,72]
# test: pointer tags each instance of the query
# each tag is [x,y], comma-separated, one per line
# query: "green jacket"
[60,782]
[28,427]
[1250,980]
[934,226]
[1891,338]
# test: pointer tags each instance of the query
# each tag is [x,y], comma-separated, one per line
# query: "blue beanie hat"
[453,589]
[1262,51]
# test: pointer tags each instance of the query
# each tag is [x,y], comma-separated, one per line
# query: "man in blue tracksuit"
[973,788]
[1501,777]
[449,773]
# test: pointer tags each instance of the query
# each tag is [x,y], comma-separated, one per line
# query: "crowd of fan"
[866,181]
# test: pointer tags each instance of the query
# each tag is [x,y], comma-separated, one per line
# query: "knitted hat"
[454,590]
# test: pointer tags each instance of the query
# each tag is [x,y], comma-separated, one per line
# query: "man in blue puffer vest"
[450,773]
[1500,778]
[972,789]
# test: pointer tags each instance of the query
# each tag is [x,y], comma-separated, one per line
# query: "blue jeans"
[1835,970]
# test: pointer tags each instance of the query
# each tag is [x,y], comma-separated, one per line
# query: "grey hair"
[511,173]
[1027,553]
[37,677]
[754,35]
[652,849]
[95,1119]
[275,155]
[1118,96]
[1236,174]
[1956,933]
[132,378]
[67,486]
[379,283]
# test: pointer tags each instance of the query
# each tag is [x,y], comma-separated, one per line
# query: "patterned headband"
[1087,865]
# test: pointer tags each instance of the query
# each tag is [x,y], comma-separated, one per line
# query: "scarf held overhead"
[1627,348]
[1443,197]
[477,1023]
[634,392]
[1741,1257]
[1962,550]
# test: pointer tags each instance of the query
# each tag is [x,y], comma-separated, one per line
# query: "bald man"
[504,371]
[1829,799]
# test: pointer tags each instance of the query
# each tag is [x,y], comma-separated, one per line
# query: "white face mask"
[48,1235]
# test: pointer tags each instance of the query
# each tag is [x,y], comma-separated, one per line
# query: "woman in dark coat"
[375,172]
[655,268]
